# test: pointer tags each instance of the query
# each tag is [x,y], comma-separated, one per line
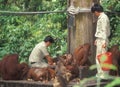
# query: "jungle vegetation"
[20,33]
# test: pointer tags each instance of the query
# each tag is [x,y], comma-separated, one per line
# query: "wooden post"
[84,28]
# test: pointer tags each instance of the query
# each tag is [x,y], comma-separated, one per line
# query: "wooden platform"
[24,83]
[84,73]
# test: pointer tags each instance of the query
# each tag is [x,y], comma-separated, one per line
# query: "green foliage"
[19,34]
[111,5]
[114,83]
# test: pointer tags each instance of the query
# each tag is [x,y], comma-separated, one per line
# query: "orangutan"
[11,69]
[81,55]
[41,74]
[115,59]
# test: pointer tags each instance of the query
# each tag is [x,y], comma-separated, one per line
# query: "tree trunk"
[83,29]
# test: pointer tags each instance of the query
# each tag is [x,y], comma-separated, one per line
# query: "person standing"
[39,52]
[102,33]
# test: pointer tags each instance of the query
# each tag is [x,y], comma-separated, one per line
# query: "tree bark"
[84,29]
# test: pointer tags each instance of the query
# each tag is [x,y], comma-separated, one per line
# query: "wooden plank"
[24,83]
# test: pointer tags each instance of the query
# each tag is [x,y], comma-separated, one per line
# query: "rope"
[28,13]
[46,12]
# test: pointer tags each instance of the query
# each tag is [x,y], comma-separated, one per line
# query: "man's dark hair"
[49,39]
[96,7]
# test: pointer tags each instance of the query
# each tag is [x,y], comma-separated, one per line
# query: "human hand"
[50,62]
[104,45]
[49,59]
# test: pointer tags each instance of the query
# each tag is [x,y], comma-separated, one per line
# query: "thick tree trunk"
[83,29]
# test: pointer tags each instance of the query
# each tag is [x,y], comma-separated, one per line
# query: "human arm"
[49,59]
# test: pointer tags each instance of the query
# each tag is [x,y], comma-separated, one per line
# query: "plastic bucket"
[105,60]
